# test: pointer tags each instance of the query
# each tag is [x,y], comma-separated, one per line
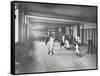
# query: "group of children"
[63,43]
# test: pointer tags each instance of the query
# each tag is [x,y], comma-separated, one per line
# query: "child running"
[77,52]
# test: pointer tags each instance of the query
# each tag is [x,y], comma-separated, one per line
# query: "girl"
[51,44]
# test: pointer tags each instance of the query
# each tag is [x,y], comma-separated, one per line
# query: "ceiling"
[80,13]
[36,19]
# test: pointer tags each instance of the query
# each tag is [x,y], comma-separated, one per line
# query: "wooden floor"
[38,60]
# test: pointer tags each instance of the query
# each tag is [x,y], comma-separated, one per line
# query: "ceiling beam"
[52,15]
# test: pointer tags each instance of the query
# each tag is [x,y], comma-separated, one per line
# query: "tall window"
[16,24]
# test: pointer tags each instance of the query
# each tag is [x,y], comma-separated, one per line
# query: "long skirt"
[67,44]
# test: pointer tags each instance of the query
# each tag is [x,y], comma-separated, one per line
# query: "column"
[82,32]
[75,31]
[78,30]
[21,25]
[67,30]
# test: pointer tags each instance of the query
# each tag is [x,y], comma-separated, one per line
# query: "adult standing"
[62,42]
[90,45]
[67,44]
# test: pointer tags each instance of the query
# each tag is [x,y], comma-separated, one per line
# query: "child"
[51,44]
[77,52]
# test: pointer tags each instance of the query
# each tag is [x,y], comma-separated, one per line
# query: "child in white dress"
[51,44]
[77,52]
